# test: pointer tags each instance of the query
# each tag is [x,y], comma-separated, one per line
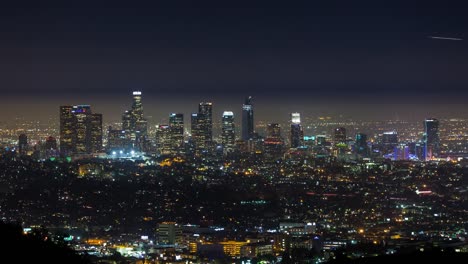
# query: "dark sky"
[357,57]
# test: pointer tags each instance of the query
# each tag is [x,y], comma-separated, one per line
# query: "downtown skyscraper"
[247,119]
[176,127]
[297,133]
[228,132]
[80,130]
[202,128]
[431,138]
[134,124]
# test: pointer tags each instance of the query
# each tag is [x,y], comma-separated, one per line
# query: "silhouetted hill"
[434,256]
[34,248]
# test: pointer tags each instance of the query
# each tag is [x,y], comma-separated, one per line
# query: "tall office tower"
[273,144]
[297,133]
[134,124]
[80,130]
[247,119]
[67,130]
[197,136]
[127,121]
[95,133]
[176,126]
[82,115]
[205,116]
[360,146]
[339,136]
[228,132]
[137,107]
[389,141]
[22,144]
[163,140]
[169,233]
[431,138]
[118,140]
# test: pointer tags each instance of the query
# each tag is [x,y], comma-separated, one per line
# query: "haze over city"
[314,57]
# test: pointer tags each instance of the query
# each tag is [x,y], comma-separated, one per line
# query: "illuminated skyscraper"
[176,125]
[137,107]
[134,124]
[339,136]
[96,133]
[163,140]
[202,128]
[80,130]
[82,115]
[431,138]
[67,130]
[297,133]
[228,133]
[360,146]
[127,121]
[205,115]
[22,144]
[247,119]
[198,138]
[273,144]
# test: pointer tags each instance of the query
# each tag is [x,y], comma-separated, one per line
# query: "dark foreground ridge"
[34,247]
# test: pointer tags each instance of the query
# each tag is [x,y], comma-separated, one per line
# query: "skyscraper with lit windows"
[134,124]
[297,133]
[80,130]
[228,132]
[202,128]
[431,138]
[176,126]
[247,119]
[67,130]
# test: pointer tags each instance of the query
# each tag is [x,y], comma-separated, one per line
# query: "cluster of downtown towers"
[81,130]
[81,133]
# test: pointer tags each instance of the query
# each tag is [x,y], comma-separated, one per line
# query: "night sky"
[366,59]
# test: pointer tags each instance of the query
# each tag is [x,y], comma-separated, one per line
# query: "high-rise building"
[176,125]
[163,140]
[169,233]
[205,111]
[67,130]
[137,106]
[80,130]
[134,123]
[202,128]
[198,138]
[96,133]
[297,133]
[22,144]
[273,145]
[339,136]
[127,121]
[228,132]
[431,138]
[360,146]
[247,119]
[117,140]
[389,141]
